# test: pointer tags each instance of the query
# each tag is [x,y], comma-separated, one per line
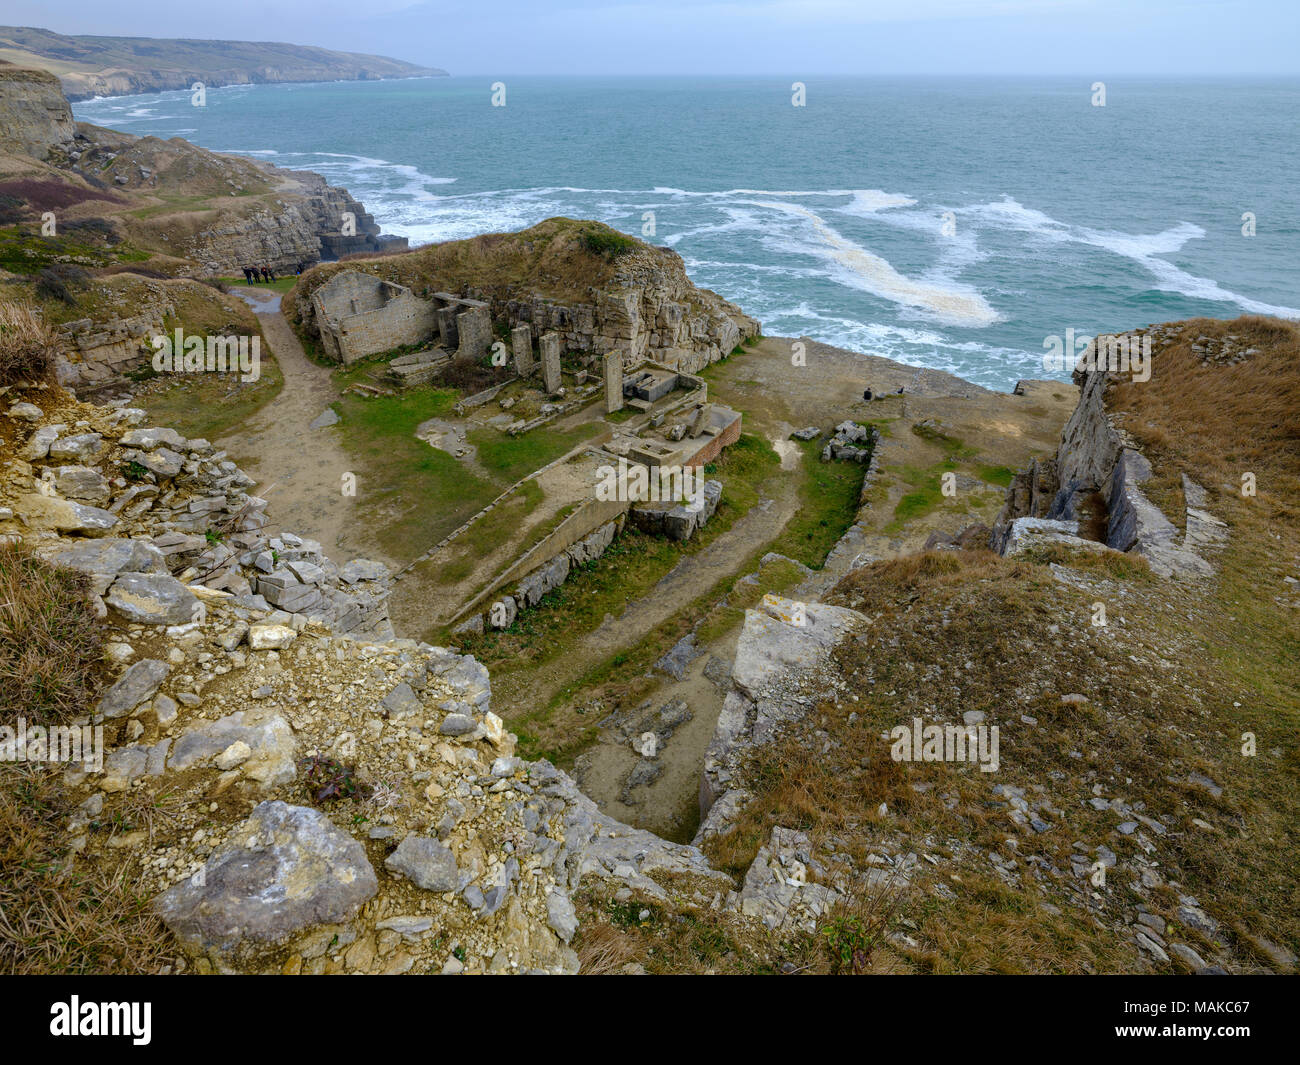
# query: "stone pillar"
[474,325]
[521,342]
[447,328]
[549,343]
[613,381]
[701,420]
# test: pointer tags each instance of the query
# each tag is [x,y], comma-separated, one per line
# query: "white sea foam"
[873,201]
[951,303]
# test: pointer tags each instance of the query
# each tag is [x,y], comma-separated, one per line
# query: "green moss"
[999,475]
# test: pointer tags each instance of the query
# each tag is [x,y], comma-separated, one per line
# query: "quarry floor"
[560,702]
[982,436]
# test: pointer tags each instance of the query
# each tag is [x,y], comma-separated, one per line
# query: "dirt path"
[299,468]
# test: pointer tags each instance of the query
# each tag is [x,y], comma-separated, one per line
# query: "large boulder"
[103,560]
[284,870]
[152,599]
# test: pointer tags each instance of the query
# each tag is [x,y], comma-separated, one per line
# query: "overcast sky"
[796,37]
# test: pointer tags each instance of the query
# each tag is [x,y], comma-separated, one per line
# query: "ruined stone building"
[358,315]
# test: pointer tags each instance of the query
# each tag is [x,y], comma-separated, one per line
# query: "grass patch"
[513,457]
[1002,476]
[283,285]
[59,915]
[828,496]
[49,638]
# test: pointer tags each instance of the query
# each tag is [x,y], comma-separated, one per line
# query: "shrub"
[93,228]
[56,282]
[11,210]
[607,243]
[27,344]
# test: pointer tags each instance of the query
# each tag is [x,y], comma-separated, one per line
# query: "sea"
[953,223]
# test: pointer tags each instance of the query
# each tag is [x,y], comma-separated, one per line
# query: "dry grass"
[604,950]
[957,631]
[49,638]
[1222,420]
[27,344]
[57,913]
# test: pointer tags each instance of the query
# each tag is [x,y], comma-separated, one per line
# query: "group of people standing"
[254,274]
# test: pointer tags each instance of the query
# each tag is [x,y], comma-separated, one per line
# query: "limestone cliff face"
[650,309]
[302,228]
[34,114]
[1097,477]
[87,85]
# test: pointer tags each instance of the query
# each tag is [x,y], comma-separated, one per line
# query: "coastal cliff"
[90,66]
[76,198]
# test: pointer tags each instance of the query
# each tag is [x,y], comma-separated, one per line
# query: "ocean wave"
[1143,249]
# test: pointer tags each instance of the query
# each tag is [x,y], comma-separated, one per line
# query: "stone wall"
[714,447]
[361,315]
[582,537]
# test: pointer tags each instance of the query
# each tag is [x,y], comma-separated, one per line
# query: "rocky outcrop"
[1098,462]
[782,660]
[177,530]
[304,228]
[651,310]
[195,211]
[34,114]
[639,302]
[100,349]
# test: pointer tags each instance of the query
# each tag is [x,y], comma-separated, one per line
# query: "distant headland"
[90,66]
